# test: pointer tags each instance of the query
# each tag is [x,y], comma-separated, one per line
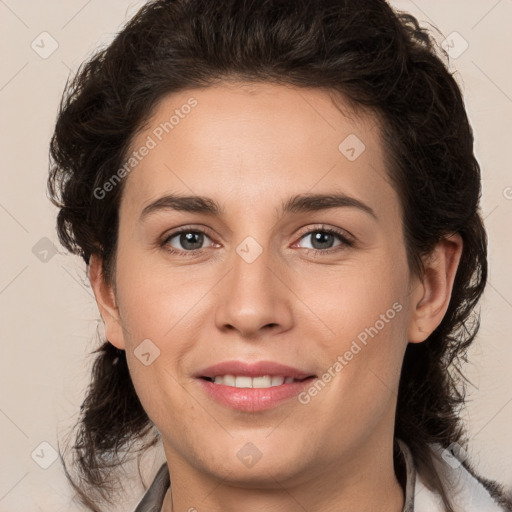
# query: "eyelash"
[345,240]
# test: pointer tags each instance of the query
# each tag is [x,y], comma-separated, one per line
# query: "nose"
[254,297]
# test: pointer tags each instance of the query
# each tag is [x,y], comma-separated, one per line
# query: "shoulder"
[467,491]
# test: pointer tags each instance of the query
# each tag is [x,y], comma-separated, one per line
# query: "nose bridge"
[252,296]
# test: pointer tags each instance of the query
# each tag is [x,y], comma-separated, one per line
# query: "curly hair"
[375,58]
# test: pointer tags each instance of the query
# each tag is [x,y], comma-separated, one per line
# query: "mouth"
[253,387]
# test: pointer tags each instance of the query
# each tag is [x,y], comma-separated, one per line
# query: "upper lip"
[256,369]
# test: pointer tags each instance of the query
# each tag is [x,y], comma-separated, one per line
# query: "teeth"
[277,381]
[242,381]
[229,380]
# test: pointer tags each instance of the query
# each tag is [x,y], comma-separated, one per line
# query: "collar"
[406,473]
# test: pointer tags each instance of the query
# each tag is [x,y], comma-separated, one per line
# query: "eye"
[185,240]
[324,239]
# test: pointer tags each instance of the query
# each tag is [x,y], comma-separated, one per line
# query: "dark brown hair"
[374,57]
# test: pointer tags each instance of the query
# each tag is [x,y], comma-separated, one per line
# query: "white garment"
[466,492]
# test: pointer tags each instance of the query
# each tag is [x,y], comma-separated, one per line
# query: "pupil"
[191,240]
[323,239]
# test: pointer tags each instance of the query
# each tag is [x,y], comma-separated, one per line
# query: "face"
[262,271]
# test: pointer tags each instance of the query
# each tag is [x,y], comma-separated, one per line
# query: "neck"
[364,480]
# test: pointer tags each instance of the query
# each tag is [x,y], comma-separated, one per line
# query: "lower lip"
[254,399]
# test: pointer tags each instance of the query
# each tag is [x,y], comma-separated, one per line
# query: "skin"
[249,148]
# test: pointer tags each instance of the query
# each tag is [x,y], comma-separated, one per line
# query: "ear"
[433,290]
[106,300]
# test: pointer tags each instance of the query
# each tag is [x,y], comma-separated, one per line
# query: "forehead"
[260,141]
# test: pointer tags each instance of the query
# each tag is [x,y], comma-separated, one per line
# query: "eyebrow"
[297,204]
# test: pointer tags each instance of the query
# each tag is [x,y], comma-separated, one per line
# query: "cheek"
[367,315]
[359,303]
[364,363]
[156,301]
[165,317]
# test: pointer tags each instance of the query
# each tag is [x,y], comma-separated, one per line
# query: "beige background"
[48,315]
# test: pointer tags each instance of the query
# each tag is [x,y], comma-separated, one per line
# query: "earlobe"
[106,301]
[431,298]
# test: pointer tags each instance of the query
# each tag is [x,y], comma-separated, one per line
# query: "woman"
[277,203]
